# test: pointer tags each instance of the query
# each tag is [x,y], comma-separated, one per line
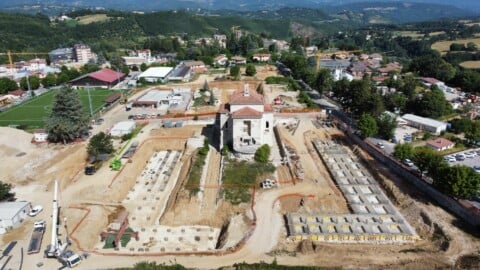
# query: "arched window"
[267,124]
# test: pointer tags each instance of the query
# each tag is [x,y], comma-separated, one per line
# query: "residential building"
[238,60]
[12,214]
[82,53]
[440,144]
[220,60]
[145,54]
[246,122]
[389,68]
[261,57]
[423,123]
[196,66]
[221,39]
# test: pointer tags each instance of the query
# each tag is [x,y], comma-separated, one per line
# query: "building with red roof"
[440,144]
[101,78]
[246,122]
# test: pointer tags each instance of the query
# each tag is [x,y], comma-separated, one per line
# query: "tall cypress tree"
[67,120]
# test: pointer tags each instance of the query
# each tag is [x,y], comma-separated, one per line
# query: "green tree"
[49,80]
[143,67]
[433,104]
[250,70]
[386,126]
[235,72]
[367,125]
[62,78]
[32,80]
[427,160]
[324,81]
[460,181]
[472,133]
[262,154]
[5,189]
[403,151]
[100,143]
[7,85]
[67,120]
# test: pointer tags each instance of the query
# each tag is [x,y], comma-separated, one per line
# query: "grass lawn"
[32,113]
[471,64]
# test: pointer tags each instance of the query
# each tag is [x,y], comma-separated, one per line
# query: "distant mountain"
[398,12]
[386,11]
[244,5]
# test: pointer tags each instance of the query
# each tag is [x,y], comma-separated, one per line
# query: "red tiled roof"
[430,80]
[17,93]
[253,98]
[106,75]
[40,131]
[246,112]
[268,108]
[440,143]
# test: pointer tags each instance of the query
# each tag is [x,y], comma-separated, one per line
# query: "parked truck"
[93,167]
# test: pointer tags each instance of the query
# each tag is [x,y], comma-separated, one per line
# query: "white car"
[408,162]
[39,224]
[450,159]
[35,210]
[380,145]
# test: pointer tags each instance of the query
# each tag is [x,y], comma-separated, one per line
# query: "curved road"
[264,238]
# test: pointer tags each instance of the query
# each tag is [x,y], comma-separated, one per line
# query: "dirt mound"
[306,247]
[15,139]
[468,262]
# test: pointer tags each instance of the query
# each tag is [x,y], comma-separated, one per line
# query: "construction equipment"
[93,167]
[9,54]
[57,249]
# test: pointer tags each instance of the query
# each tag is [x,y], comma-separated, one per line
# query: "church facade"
[246,122]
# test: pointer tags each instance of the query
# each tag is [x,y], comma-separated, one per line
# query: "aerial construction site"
[318,194]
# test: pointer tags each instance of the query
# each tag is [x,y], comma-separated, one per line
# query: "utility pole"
[89,99]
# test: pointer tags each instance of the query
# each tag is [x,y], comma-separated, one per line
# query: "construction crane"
[9,54]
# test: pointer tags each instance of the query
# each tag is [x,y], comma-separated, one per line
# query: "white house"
[423,123]
[261,57]
[122,128]
[220,60]
[40,135]
[12,214]
[238,60]
[246,122]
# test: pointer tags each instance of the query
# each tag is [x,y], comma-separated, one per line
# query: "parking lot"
[470,158]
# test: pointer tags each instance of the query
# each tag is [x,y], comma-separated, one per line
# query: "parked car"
[380,145]
[460,157]
[470,154]
[408,162]
[476,168]
[268,183]
[39,224]
[35,210]
[450,158]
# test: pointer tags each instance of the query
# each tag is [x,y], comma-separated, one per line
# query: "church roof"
[247,113]
[239,98]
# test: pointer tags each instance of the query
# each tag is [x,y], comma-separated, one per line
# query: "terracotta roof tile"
[246,113]
[254,98]
[440,143]
[106,75]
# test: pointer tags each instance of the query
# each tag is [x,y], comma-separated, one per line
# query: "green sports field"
[31,114]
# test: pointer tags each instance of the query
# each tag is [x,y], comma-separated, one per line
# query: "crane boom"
[53,247]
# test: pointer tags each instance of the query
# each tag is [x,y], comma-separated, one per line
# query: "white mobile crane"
[57,249]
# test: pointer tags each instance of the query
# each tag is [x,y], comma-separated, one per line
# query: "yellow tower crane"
[9,55]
